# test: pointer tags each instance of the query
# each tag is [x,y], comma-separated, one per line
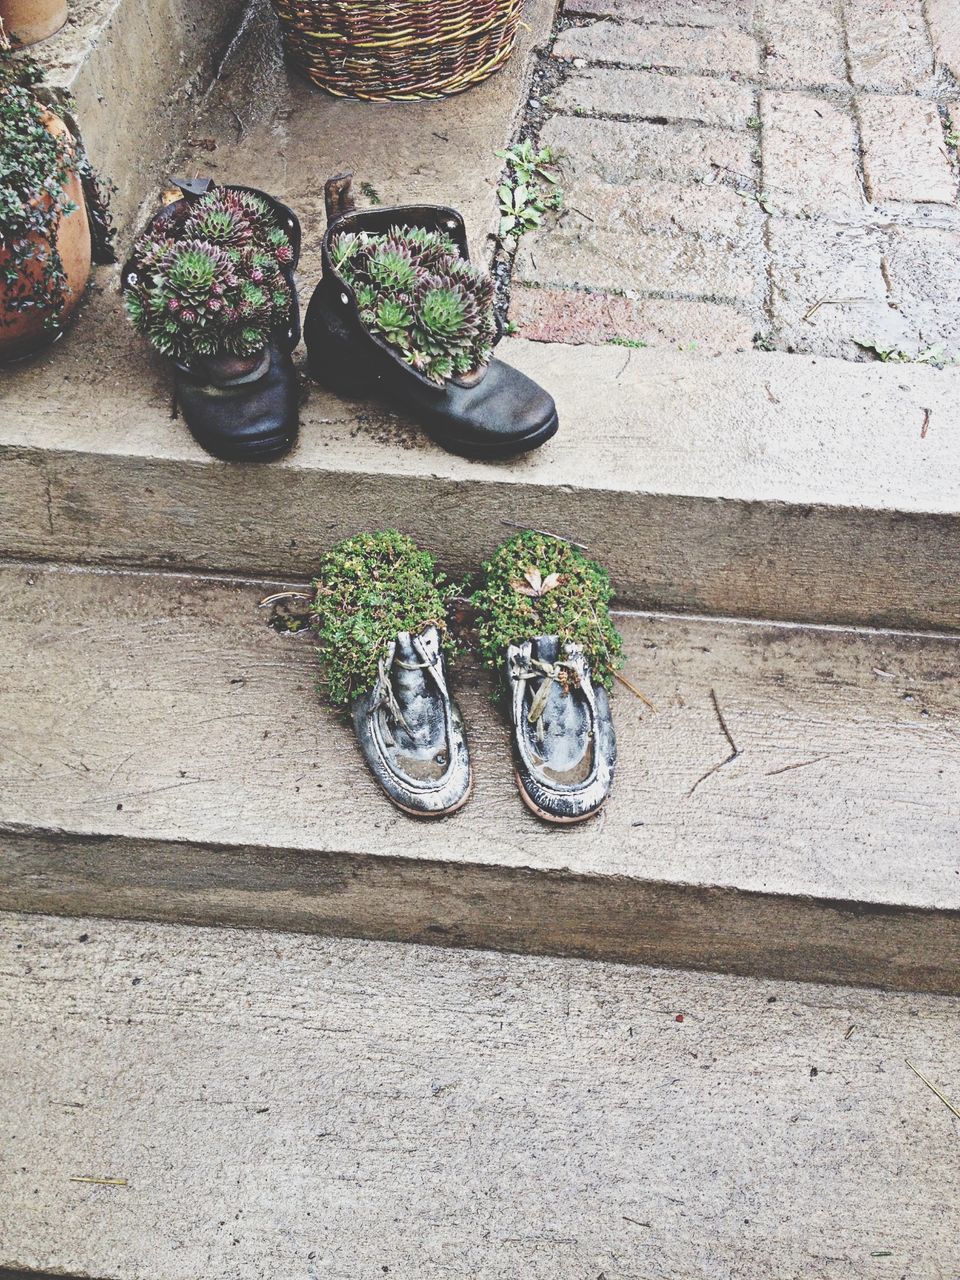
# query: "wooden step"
[260,1104]
[790,810]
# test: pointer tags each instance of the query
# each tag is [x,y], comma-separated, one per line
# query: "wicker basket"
[385,50]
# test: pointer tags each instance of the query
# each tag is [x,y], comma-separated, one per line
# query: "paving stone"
[652,95]
[904,152]
[640,152]
[649,262]
[829,294]
[888,44]
[935,325]
[570,315]
[804,44]
[925,264]
[944,19]
[713,210]
[716,49]
[809,155]
[695,13]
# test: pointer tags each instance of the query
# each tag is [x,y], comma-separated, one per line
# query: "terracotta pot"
[22,332]
[32,20]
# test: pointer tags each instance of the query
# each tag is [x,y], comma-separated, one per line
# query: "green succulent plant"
[367,589]
[215,284]
[537,585]
[221,225]
[440,317]
[394,320]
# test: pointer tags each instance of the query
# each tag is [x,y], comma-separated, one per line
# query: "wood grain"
[165,754]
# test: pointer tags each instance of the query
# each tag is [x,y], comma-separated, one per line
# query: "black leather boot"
[497,413]
[239,411]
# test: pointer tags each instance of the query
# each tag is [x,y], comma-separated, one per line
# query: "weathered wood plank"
[695,491]
[295,1107]
[164,755]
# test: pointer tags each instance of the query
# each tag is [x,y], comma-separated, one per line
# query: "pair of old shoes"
[411,732]
[540,620]
[251,414]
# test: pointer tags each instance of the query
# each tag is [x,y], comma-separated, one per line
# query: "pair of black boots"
[493,414]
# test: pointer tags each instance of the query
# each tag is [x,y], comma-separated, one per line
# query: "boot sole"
[257,451]
[497,450]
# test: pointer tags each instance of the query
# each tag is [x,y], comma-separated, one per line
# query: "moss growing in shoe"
[535,585]
[415,292]
[369,588]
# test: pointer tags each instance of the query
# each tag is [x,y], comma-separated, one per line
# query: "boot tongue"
[412,683]
[562,712]
[546,648]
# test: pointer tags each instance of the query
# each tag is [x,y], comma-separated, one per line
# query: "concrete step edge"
[676,471]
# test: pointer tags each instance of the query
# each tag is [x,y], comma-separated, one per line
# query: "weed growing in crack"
[935,356]
[530,190]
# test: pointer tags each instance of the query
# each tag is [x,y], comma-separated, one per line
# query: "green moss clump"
[535,585]
[367,589]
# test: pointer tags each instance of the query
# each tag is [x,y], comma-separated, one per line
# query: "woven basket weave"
[384,50]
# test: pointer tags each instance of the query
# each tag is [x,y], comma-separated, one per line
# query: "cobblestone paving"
[774,172]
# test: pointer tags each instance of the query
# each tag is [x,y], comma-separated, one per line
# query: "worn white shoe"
[565,748]
[410,730]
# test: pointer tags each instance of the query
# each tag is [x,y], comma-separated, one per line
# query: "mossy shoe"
[379,611]
[491,412]
[543,622]
[410,730]
[565,748]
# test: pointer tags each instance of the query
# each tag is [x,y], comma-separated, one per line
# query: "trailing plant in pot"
[45,232]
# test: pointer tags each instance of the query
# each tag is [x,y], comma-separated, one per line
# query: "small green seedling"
[933,355]
[530,190]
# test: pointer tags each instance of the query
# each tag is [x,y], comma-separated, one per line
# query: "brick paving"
[770,172]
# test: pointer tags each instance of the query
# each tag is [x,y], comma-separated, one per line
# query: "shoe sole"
[497,452]
[551,817]
[439,813]
[260,451]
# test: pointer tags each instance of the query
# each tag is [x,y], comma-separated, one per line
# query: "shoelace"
[387,699]
[550,673]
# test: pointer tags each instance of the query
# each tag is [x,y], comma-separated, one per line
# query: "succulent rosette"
[214,285]
[415,292]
